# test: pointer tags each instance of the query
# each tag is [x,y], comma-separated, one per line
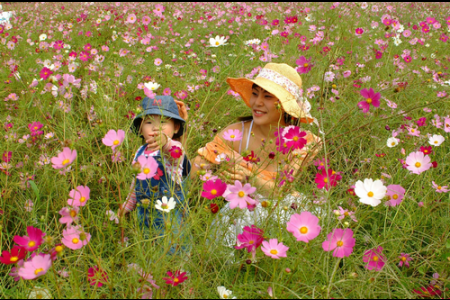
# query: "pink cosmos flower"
[340,241]
[342,213]
[305,226]
[304,65]
[238,195]
[440,189]
[320,163]
[347,73]
[213,189]
[232,135]
[274,249]
[447,124]
[64,159]
[35,267]
[32,241]
[372,98]
[413,131]
[113,139]
[45,73]
[75,238]
[167,92]
[404,260]
[79,196]
[69,215]
[374,259]
[149,167]
[418,162]
[395,193]
[6,157]
[326,180]
[158,61]
[146,20]
[208,176]
[131,19]
[294,137]
[58,45]
[359,31]
[251,238]
[97,277]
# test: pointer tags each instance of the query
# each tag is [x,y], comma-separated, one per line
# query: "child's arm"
[130,202]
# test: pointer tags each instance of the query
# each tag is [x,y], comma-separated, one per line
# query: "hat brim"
[155,111]
[243,87]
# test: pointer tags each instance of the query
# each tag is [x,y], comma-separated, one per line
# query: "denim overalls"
[153,221]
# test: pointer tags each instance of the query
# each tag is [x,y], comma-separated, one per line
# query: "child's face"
[153,124]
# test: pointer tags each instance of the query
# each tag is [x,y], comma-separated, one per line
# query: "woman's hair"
[288,119]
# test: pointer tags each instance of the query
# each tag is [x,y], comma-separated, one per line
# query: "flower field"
[368,217]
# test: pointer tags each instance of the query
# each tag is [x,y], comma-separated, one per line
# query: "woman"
[274,98]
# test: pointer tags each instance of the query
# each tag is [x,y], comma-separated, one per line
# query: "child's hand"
[156,141]
[182,111]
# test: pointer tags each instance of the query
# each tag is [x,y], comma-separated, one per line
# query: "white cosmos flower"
[39,293]
[165,205]
[392,142]
[217,41]
[224,293]
[99,21]
[43,37]
[152,85]
[370,192]
[436,140]
[253,42]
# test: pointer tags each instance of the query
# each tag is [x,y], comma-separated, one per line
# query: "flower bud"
[353,275]
[287,270]
[82,236]
[266,204]
[248,261]
[145,203]
[387,127]
[48,240]
[337,213]
[346,224]
[136,167]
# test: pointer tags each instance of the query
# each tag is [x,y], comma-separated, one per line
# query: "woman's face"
[156,124]
[264,108]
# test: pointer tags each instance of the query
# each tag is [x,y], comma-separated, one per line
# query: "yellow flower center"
[164,205]
[439,187]
[65,162]
[436,142]
[346,214]
[393,143]
[217,43]
[303,230]
[213,192]
[412,130]
[75,240]
[395,196]
[418,164]
[146,171]
[14,259]
[82,199]
[38,271]
[370,194]
[369,100]
[73,213]
[274,252]
[340,243]
[116,142]
[232,136]
[251,242]
[403,258]
[305,65]
[59,249]
[176,280]
[225,296]
[295,138]
[241,194]
[325,180]
[31,244]
[375,258]
[35,128]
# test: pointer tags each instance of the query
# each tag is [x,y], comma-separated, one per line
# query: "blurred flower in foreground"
[370,192]
[428,292]
[35,267]
[374,259]
[39,293]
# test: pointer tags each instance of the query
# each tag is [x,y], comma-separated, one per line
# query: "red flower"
[16,254]
[96,276]
[435,164]
[351,192]
[175,279]
[380,155]
[176,152]
[138,98]
[158,175]
[272,155]
[214,208]
[252,158]
[428,292]
[426,150]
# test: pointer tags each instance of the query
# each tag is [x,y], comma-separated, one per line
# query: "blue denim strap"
[140,151]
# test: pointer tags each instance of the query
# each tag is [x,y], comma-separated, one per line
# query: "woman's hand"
[156,141]
[182,110]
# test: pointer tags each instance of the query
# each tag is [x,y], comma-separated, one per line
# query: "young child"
[159,125]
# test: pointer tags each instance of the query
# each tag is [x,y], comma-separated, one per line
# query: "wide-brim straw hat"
[282,81]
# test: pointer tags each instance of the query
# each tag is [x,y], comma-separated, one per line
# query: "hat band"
[281,80]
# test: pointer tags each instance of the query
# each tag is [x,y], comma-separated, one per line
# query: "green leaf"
[447,244]
[421,270]
[35,189]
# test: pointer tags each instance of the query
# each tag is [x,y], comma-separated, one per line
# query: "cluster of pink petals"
[404,260]
[213,189]
[395,193]
[69,215]
[340,241]
[305,226]
[374,259]
[304,65]
[114,138]
[294,137]
[232,135]
[274,249]
[251,238]
[149,167]
[75,238]
[32,241]
[372,98]
[327,179]
[64,159]
[97,277]
[238,195]
[35,267]
[175,279]
[79,196]
[440,189]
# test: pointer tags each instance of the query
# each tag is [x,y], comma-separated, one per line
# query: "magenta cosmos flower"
[418,162]
[114,138]
[175,152]
[326,180]
[35,267]
[79,196]
[304,65]
[239,195]
[305,226]
[395,193]
[294,138]
[372,98]
[340,241]
[45,73]
[68,215]
[404,260]
[175,279]
[14,256]
[32,241]
[149,167]
[75,238]
[251,238]
[213,189]
[232,135]
[374,259]
[97,277]
[274,249]
[65,158]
